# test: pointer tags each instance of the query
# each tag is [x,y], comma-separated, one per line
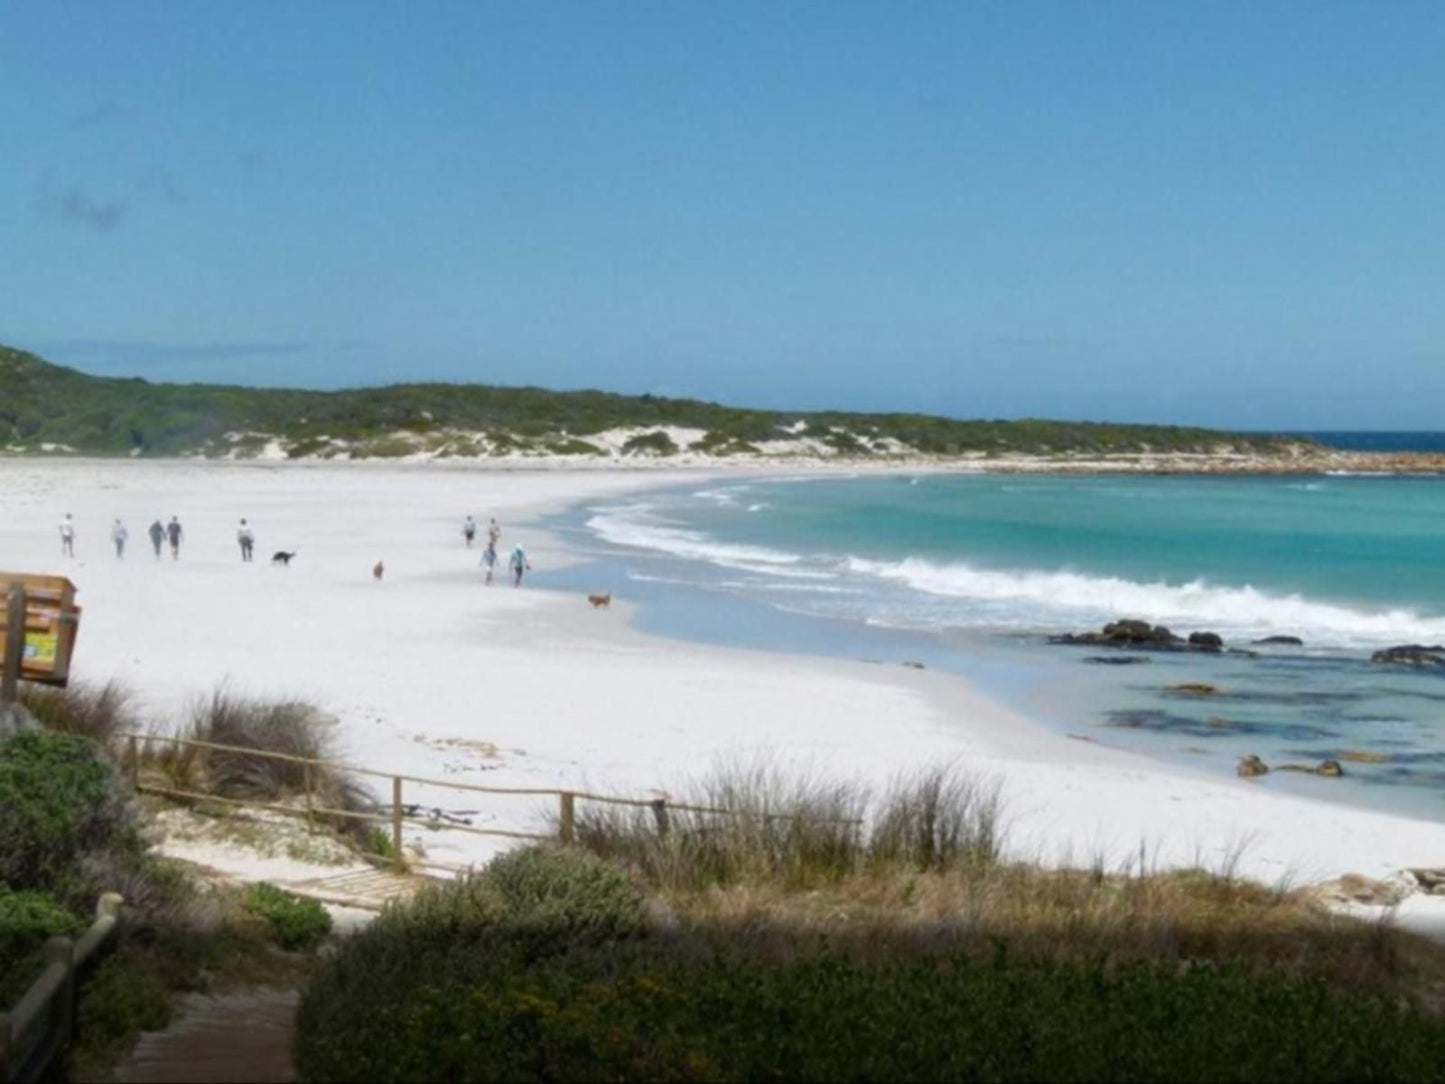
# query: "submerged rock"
[1116,660]
[1330,769]
[1412,655]
[1251,766]
[1193,688]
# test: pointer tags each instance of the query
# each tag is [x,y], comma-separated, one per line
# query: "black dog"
[281,557]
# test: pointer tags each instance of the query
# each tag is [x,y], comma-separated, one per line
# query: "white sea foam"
[1192,605]
[638,525]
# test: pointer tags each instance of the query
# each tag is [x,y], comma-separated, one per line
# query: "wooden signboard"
[44,628]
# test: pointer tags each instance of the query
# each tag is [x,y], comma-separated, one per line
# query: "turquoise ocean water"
[975,572]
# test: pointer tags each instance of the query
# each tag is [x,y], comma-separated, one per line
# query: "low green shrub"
[558,887]
[27,921]
[122,998]
[711,1005]
[67,820]
[297,924]
[656,442]
[525,906]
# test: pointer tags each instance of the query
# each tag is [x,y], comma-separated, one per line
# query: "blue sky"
[1215,213]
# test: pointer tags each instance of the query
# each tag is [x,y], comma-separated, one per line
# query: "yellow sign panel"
[40,649]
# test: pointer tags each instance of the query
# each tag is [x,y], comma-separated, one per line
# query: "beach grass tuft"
[756,821]
[99,713]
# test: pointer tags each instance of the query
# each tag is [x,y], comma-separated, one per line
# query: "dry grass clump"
[1062,915]
[251,728]
[746,822]
[99,714]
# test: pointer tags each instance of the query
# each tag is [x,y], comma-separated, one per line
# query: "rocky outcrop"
[1251,766]
[1281,641]
[1412,655]
[1141,636]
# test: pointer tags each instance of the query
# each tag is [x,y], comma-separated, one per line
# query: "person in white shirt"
[247,538]
[67,536]
[119,535]
[469,530]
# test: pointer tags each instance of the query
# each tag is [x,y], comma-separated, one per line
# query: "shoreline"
[1325,462]
[432,674]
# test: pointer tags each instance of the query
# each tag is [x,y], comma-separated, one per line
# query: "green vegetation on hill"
[42,404]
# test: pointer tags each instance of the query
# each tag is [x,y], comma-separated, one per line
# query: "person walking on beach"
[494,532]
[519,564]
[118,535]
[469,530]
[175,534]
[247,538]
[158,535]
[67,536]
[489,561]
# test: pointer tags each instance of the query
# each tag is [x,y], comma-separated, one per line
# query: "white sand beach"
[432,674]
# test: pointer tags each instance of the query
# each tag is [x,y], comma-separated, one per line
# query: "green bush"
[556,887]
[122,998]
[524,907]
[296,924]
[715,1006]
[61,804]
[654,443]
[27,921]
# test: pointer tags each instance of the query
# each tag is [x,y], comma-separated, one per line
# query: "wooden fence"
[397,816]
[38,1027]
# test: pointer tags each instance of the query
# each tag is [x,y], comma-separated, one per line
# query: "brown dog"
[377,570]
[599,601]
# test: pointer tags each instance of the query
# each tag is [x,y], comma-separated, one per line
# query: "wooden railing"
[38,1027]
[397,816]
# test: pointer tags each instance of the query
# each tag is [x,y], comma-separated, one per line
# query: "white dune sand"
[430,673]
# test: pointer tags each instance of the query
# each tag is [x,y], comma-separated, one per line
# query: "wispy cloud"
[105,113]
[74,205]
[162,182]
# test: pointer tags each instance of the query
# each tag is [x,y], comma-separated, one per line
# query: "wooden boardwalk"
[369,889]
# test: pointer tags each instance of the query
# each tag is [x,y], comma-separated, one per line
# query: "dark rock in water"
[1194,688]
[1251,766]
[1140,636]
[1241,652]
[1330,769]
[913,665]
[1292,641]
[1412,655]
[1116,660]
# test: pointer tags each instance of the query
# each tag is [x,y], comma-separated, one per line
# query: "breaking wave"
[1191,605]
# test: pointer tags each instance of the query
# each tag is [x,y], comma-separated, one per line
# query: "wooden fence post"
[568,821]
[396,823]
[306,779]
[659,811]
[61,950]
[14,643]
[5,1041]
